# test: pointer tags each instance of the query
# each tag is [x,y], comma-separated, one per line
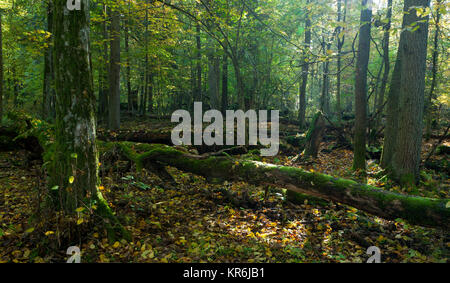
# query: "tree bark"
[75,120]
[128,68]
[114,72]
[74,167]
[387,28]
[1,69]
[314,136]
[198,90]
[103,73]
[434,70]
[406,158]
[359,160]
[388,205]
[48,103]
[305,70]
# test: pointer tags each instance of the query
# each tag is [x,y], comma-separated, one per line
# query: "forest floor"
[198,222]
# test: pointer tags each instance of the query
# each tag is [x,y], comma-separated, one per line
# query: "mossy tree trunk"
[388,205]
[75,159]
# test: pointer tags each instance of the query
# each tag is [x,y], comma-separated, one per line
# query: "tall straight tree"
[74,170]
[305,67]
[386,28]
[76,157]
[114,71]
[1,69]
[413,43]
[340,43]
[434,70]
[103,71]
[359,160]
[48,103]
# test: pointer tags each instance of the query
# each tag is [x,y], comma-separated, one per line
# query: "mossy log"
[388,205]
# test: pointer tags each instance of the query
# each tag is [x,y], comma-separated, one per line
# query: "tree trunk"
[314,136]
[387,28]
[359,160]
[406,159]
[305,70]
[224,84]
[213,80]
[390,131]
[388,205]
[104,84]
[48,103]
[128,68]
[1,69]
[434,70]
[114,72]
[198,90]
[325,98]
[340,44]
[74,171]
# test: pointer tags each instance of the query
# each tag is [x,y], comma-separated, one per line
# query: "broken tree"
[388,205]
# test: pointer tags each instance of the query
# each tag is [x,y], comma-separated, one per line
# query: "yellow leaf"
[49,233]
[29,230]
[79,221]
[116,245]
[80,209]
[71,179]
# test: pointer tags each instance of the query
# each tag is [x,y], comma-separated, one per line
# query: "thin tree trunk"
[340,44]
[104,73]
[434,70]
[305,70]
[198,91]
[224,84]
[359,160]
[48,103]
[128,69]
[381,103]
[114,72]
[1,69]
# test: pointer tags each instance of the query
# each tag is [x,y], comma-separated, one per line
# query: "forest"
[224,131]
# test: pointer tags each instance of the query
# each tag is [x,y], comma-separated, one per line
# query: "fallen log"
[385,204]
[141,136]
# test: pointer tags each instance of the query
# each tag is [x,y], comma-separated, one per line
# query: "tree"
[340,43]
[48,108]
[406,158]
[114,71]
[386,28]
[359,160]
[76,157]
[434,70]
[1,69]
[305,69]
[74,170]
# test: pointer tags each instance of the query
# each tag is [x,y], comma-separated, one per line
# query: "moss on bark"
[388,205]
